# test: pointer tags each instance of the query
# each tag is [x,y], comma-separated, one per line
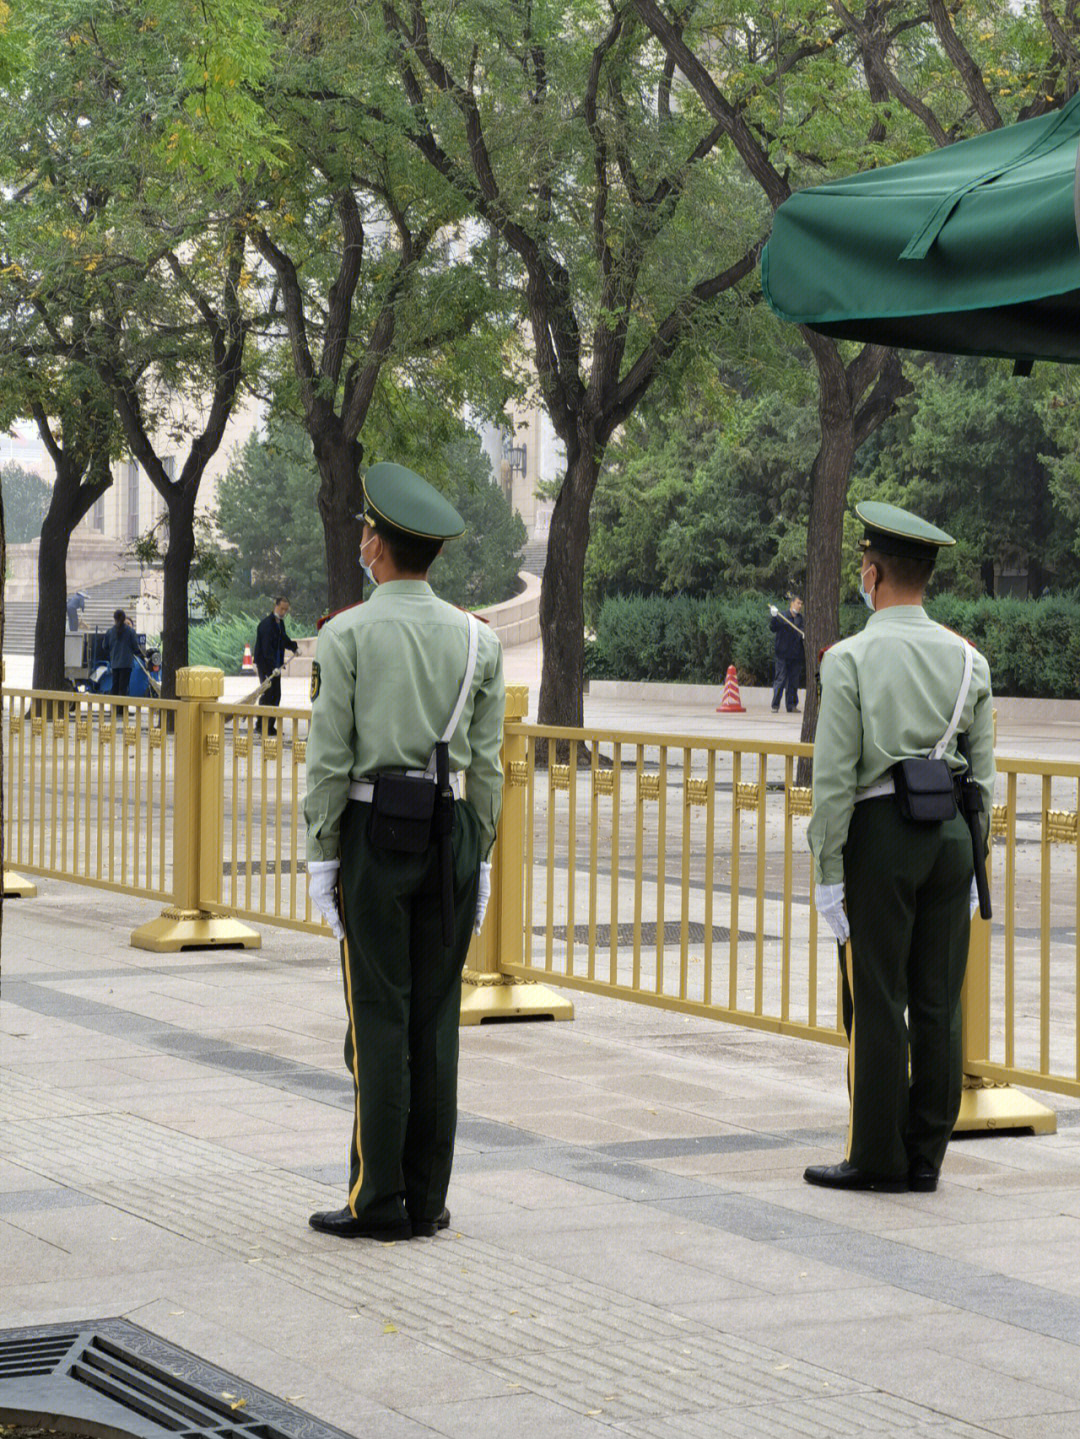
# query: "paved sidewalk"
[633,1251]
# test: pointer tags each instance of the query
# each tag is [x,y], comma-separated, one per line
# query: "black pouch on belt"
[925,791]
[402,807]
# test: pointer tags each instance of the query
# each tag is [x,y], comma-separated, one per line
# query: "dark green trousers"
[403,1000]
[907,888]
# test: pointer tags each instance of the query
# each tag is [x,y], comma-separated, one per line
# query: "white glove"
[829,903]
[322,875]
[483,894]
[773,611]
[974,898]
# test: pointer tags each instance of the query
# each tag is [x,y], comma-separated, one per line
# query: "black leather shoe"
[846,1176]
[922,1176]
[426,1228]
[345,1225]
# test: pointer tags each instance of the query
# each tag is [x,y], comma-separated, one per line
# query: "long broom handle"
[798,631]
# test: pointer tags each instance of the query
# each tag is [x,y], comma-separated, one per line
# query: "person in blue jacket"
[788,630]
[121,646]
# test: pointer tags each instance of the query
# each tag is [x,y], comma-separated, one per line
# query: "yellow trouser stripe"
[355,1049]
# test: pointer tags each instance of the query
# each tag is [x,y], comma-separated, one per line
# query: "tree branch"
[293,299]
[965,66]
[344,287]
[729,117]
[873,51]
[668,334]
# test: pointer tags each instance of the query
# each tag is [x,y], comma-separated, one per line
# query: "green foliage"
[714,495]
[705,499]
[985,455]
[221,642]
[267,509]
[26,503]
[1033,647]
[481,566]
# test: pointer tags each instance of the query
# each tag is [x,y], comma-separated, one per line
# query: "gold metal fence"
[668,869]
[89,789]
[260,797]
[1030,1032]
[673,870]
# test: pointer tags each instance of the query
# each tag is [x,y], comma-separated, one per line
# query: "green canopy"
[971,249]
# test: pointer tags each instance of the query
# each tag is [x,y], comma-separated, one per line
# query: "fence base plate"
[999,1106]
[491,999]
[175,930]
[15,887]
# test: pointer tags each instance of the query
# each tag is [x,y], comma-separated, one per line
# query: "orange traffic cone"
[247,664]
[730,703]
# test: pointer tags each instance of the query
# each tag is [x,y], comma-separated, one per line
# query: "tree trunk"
[176,574]
[341,500]
[562,613]
[71,500]
[825,534]
[50,622]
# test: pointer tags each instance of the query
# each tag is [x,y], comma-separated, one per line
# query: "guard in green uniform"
[902,689]
[391,679]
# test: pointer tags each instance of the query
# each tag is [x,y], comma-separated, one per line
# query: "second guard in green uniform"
[903,689]
[397,851]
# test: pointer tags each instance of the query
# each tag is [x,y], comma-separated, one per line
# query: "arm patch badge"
[316,680]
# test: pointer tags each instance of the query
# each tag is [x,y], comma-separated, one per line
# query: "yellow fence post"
[196,847]
[987,1103]
[487,993]
[16,886]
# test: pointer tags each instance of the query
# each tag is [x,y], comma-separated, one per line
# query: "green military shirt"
[888,694]
[386,678]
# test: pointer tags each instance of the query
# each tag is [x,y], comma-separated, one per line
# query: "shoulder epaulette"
[331,614]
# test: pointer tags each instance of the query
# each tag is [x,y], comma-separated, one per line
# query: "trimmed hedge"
[1033,646]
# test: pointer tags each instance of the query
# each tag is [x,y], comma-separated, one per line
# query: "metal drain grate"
[111,1377]
[25,1358]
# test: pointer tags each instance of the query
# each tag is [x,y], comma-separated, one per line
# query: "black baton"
[444,828]
[972,806]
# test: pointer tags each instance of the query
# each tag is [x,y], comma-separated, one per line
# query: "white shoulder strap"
[466,686]
[943,743]
[466,683]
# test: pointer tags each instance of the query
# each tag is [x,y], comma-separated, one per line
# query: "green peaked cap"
[399,498]
[894,531]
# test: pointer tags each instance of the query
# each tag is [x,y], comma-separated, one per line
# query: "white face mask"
[363,563]
[866,596]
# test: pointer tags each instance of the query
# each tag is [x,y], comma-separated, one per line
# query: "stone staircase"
[534,556]
[20,616]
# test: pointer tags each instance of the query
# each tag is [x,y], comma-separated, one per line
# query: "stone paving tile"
[753,1307]
[30,1259]
[1065,1425]
[691,1371]
[103,1239]
[849,1416]
[26,1097]
[510,1416]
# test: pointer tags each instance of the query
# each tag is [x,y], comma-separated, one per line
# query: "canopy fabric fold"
[971,249]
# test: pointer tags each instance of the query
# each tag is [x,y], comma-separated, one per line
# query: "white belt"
[364,789]
[872,791]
